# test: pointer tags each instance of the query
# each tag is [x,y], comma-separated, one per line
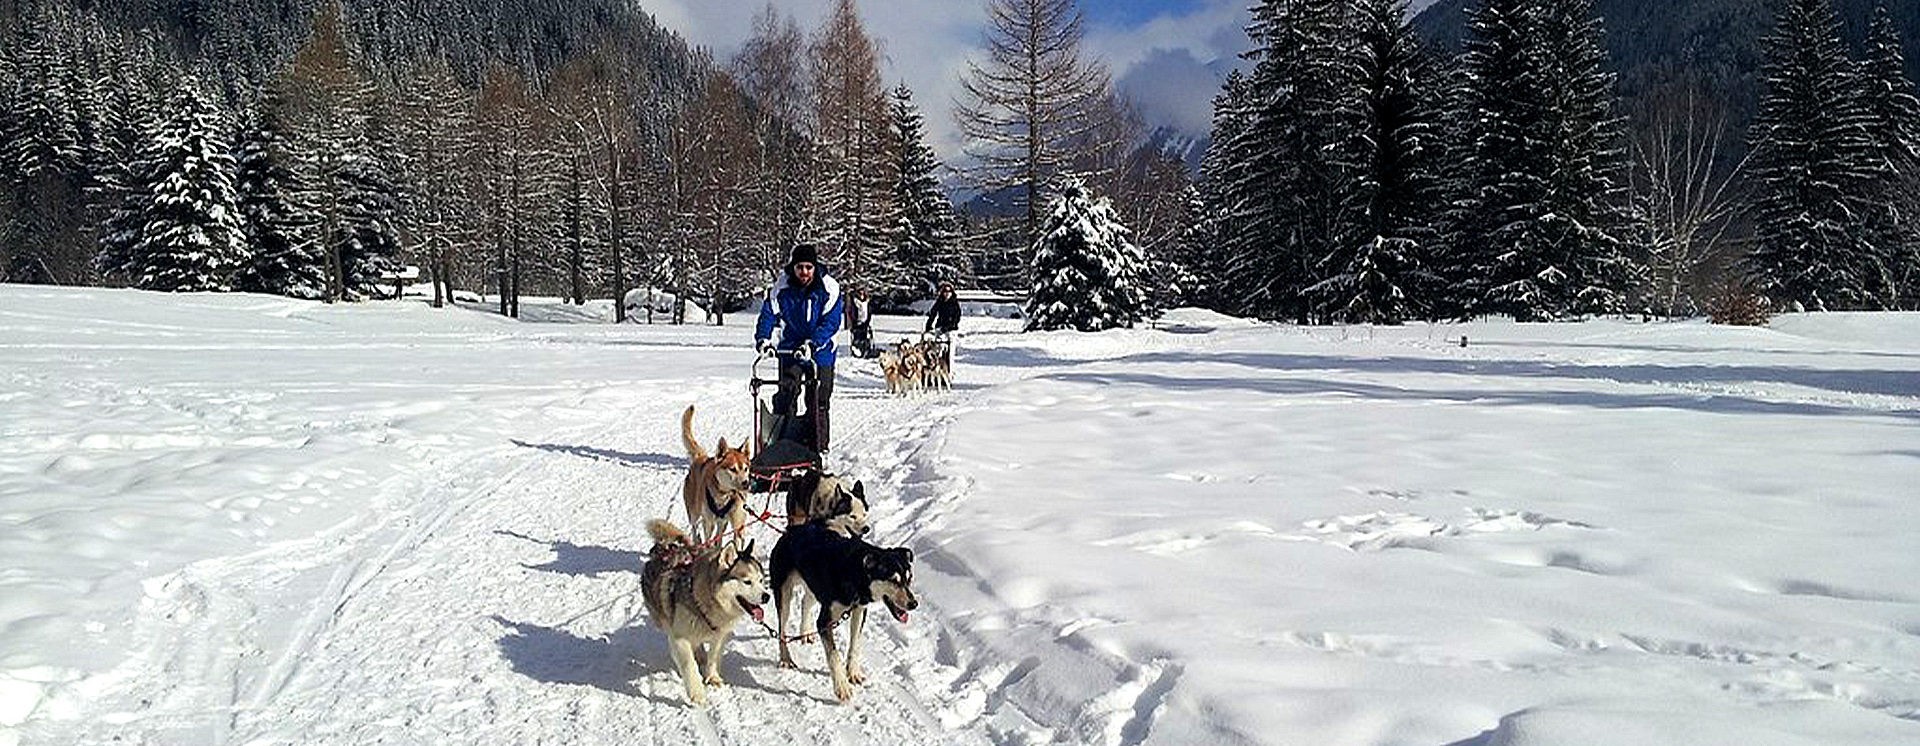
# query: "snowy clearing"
[231,519]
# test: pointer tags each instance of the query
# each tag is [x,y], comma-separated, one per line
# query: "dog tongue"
[900,615]
[759,614]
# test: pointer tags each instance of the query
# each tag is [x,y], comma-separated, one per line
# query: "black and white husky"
[844,574]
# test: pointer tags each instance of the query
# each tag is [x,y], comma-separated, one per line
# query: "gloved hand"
[806,351]
[763,346]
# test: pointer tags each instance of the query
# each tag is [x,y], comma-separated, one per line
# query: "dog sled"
[784,446]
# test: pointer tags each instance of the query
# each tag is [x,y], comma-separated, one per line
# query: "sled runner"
[783,445]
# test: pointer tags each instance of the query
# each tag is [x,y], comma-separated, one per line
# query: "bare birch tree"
[1683,207]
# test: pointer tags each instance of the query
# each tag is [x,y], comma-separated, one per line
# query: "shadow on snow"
[584,561]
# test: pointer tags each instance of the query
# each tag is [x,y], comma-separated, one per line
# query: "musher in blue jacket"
[805,305]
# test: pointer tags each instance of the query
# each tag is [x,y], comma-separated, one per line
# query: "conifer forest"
[1361,167]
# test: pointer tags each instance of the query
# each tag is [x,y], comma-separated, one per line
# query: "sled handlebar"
[813,367]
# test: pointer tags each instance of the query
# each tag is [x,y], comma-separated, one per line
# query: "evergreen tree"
[1587,200]
[1221,168]
[1372,289]
[1378,273]
[1087,274]
[283,257]
[1894,126]
[368,237]
[1174,280]
[1282,210]
[40,154]
[190,235]
[926,243]
[1541,165]
[1814,164]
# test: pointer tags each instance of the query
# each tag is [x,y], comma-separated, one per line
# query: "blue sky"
[1134,12]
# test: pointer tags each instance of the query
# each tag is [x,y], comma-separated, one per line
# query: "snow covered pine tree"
[1086,271]
[190,238]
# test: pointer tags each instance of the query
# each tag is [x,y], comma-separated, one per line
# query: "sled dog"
[717,485]
[895,371]
[914,366]
[696,595]
[819,496]
[825,499]
[845,575]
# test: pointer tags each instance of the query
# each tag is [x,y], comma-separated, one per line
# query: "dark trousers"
[793,384]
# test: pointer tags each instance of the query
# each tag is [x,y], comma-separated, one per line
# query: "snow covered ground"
[231,519]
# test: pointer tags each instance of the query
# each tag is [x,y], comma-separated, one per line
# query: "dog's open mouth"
[898,613]
[759,614]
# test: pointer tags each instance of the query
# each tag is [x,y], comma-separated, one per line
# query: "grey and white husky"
[696,595]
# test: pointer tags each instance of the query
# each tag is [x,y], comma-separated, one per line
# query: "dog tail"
[694,451]
[664,532]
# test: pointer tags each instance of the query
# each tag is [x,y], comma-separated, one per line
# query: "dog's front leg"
[714,651]
[689,670]
[842,689]
[857,619]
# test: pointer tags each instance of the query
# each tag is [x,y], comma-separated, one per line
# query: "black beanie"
[804,252]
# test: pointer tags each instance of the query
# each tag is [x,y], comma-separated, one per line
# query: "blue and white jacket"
[804,314]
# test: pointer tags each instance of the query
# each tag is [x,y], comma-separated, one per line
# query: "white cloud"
[927,44]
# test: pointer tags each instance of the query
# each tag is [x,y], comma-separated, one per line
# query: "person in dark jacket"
[804,306]
[944,317]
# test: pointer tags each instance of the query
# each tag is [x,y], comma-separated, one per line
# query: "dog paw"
[788,663]
[808,639]
[715,681]
[857,676]
[843,691]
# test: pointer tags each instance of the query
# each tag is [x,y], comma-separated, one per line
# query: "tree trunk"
[614,240]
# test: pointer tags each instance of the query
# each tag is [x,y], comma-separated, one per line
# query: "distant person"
[860,320]
[805,306]
[944,318]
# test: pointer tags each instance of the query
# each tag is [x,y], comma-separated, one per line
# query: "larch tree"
[437,133]
[329,111]
[518,180]
[772,70]
[853,208]
[1024,106]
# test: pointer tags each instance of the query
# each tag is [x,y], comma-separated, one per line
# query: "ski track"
[530,578]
